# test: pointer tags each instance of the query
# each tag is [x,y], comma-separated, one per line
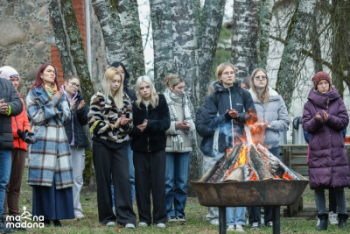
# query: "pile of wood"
[248,162]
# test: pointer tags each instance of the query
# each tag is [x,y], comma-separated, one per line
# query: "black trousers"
[332,200]
[113,161]
[255,214]
[150,176]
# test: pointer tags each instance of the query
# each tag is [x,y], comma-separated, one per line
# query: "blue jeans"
[131,175]
[5,172]
[177,167]
[234,218]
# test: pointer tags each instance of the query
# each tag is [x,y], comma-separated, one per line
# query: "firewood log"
[240,173]
[258,164]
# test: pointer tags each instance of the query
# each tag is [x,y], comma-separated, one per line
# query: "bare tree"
[265,17]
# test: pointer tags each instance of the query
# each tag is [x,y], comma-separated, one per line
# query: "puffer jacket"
[20,122]
[328,163]
[275,113]
[10,96]
[226,99]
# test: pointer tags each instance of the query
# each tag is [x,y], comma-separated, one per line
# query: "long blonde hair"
[154,101]
[106,86]
[264,97]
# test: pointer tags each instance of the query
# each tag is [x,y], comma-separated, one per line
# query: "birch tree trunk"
[209,32]
[244,54]
[265,17]
[129,17]
[315,42]
[162,31]
[296,39]
[111,29]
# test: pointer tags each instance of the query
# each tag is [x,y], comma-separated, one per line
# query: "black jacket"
[153,138]
[204,131]
[226,99]
[80,118]
[10,96]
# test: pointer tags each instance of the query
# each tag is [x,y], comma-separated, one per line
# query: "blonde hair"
[154,101]
[220,69]
[173,80]
[264,97]
[106,87]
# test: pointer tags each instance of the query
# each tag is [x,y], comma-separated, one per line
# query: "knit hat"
[320,76]
[8,72]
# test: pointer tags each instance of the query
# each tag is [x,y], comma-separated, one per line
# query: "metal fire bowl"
[250,193]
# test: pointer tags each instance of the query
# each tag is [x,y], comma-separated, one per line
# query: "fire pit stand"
[274,193]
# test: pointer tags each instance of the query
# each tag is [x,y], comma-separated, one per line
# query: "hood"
[218,87]
[273,95]
[322,100]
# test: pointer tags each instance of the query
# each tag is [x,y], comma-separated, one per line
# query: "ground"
[195,216]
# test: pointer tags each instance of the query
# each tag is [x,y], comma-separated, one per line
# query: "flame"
[286,177]
[254,177]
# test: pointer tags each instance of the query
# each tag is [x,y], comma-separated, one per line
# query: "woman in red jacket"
[21,131]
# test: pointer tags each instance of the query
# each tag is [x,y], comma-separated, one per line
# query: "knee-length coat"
[328,163]
[50,157]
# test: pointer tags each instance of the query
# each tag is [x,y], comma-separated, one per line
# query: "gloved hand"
[27,137]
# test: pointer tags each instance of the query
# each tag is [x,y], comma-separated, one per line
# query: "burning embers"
[248,162]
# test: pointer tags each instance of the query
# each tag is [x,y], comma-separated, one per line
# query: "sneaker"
[110,224]
[171,219]
[180,218]
[4,229]
[333,218]
[214,222]
[269,224]
[239,228]
[143,224]
[79,215]
[130,225]
[255,225]
[161,225]
[231,228]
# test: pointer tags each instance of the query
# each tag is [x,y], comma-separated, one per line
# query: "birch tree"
[265,17]
[289,66]
[244,54]
[132,40]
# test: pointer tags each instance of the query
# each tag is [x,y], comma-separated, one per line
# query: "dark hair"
[38,81]
[70,77]
[126,73]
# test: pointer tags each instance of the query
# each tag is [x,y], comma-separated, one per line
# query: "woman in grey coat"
[273,116]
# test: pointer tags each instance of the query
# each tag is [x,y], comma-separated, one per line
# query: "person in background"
[76,136]
[21,135]
[125,74]
[49,159]
[10,105]
[273,117]
[229,108]
[324,117]
[110,121]
[151,120]
[180,137]
[246,83]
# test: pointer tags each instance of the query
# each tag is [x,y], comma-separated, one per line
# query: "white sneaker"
[239,228]
[110,224]
[231,228]
[79,216]
[255,225]
[143,224]
[130,225]
[214,222]
[333,218]
[161,225]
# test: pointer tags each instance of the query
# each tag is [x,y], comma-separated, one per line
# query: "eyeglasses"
[228,73]
[74,85]
[262,77]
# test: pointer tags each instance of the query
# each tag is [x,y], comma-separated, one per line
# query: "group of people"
[142,142]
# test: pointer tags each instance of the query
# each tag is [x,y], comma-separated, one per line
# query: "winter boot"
[3,228]
[323,222]
[342,220]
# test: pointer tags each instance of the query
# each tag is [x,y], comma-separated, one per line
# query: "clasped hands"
[4,109]
[325,115]
[121,121]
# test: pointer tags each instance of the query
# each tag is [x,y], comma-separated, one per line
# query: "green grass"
[195,216]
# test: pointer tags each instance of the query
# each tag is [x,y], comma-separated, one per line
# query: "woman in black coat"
[151,119]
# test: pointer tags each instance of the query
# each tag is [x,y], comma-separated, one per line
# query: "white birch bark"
[296,38]
[244,54]
[111,30]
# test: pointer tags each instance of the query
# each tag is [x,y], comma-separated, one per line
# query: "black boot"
[57,223]
[342,220]
[323,222]
[47,222]
[3,228]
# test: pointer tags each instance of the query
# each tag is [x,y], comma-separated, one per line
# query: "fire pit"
[249,175]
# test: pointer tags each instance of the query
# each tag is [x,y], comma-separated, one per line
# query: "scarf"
[177,139]
[51,90]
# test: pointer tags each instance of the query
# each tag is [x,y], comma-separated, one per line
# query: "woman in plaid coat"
[50,168]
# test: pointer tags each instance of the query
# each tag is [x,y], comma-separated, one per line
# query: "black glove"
[27,137]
